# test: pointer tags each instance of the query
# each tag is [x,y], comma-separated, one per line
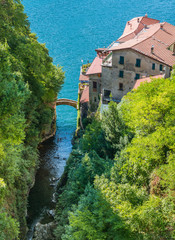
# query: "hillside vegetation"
[121,175]
[28,82]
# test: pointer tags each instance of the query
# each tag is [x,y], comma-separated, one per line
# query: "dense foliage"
[128,193]
[28,83]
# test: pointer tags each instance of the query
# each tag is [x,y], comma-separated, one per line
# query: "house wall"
[110,74]
[110,81]
[94,95]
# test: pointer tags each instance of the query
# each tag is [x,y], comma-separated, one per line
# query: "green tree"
[94,139]
[94,219]
[29,82]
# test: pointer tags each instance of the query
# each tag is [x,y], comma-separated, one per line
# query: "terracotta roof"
[134,26]
[83,77]
[101,49]
[160,36]
[85,95]
[144,80]
[95,66]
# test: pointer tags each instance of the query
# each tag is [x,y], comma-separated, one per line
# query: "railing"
[111,45]
[107,57]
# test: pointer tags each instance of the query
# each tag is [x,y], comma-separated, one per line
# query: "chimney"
[152,49]
[138,20]
[174,49]
[161,26]
[146,15]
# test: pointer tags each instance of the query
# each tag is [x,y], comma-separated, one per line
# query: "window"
[121,61]
[137,76]
[138,62]
[121,86]
[121,74]
[94,86]
[161,67]
[153,66]
[107,93]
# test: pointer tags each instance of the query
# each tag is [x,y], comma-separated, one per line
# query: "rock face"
[50,129]
[44,231]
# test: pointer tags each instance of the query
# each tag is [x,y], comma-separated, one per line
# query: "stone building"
[93,80]
[146,48]
[95,73]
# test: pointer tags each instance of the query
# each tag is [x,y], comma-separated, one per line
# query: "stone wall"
[94,94]
[110,74]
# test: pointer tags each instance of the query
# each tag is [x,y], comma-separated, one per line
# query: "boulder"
[44,231]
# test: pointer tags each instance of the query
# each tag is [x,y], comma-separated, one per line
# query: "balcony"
[108,60]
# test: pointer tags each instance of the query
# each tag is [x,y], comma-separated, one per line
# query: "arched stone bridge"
[64,101]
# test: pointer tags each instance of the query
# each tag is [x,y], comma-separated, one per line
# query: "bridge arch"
[65,101]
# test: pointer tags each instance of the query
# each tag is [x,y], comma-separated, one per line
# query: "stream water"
[53,155]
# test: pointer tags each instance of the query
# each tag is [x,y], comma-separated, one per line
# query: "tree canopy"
[133,196]
[28,83]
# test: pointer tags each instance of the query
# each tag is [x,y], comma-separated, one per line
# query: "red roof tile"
[134,26]
[95,66]
[144,80]
[101,49]
[159,35]
[85,95]
[83,77]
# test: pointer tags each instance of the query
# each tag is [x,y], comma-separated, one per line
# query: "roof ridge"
[153,37]
[134,32]
[168,23]
[151,18]
[145,54]
[144,39]
[153,24]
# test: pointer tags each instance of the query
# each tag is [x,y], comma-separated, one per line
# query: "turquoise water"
[72,29]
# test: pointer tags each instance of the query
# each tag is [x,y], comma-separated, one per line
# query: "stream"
[53,155]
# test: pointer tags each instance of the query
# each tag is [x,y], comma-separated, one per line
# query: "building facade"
[127,66]
[145,49]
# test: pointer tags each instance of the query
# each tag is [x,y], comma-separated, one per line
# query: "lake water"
[72,30]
